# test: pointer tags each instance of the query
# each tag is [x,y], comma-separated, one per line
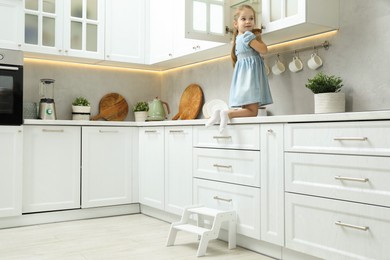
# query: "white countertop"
[350,116]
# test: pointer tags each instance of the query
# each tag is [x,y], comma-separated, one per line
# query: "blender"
[46,105]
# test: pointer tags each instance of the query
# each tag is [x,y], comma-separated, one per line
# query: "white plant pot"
[329,103]
[140,116]
[81,112]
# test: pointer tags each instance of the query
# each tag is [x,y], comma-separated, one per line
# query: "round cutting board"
[190,103]
[112,107]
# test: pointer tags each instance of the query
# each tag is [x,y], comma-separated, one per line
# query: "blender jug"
[46,105]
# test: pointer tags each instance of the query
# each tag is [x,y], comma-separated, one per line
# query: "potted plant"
[141,109]
[327,95]
[81,109]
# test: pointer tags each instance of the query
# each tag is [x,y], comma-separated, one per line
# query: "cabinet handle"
[53,130]
[108,131]
[222,166]
[8,68]
[341,178]
[150,131]
[270,131]
[364,228]
[350,138]
[223,199]
[176,131]
[222,137]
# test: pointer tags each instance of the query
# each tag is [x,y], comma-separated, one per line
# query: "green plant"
[141,106]
[81,101]
[322,83]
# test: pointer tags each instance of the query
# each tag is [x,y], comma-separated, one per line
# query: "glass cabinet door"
[280,14]
[42,24]
[84,24]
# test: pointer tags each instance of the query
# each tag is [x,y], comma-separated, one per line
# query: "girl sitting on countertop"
[249,88]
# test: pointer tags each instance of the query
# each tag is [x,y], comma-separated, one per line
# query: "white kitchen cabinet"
[51,172]
[272,183]
[125,32]
[282,20]
[11,20]
[106,166]
[151,166]
[72,28]
[166,37]
[178,168]
[336,229]
[11,161]
[285,20]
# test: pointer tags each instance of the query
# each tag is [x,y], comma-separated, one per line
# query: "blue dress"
[250,81]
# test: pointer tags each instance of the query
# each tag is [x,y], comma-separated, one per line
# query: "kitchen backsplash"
[359,54]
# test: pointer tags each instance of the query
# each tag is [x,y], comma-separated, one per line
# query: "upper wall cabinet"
[166,39]
[282,20]
[285,20]
[125,32]
[65,27]
[11,21]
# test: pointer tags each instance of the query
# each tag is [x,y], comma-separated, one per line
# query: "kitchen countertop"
[348,116]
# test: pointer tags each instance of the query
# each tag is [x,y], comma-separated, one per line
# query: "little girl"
[249,87]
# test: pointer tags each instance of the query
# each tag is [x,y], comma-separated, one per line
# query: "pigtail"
[233,51]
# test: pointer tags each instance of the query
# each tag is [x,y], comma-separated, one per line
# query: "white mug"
[295,65]
[278,68]
[314,62]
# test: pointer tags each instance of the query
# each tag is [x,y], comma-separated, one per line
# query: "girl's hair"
[235,31]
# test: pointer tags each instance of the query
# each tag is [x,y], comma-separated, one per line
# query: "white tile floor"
[122,237]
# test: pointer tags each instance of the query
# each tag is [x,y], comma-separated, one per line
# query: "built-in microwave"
[11,87]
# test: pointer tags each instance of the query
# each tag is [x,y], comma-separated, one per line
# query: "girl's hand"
[257,31]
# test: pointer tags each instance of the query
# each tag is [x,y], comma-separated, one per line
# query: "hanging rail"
[324,45]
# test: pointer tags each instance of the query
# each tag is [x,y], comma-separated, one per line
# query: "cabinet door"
[43,26]
[279,14]
[84,28]
[272,183]
[10,171]
[11,14]
[125,33]
[106,166]
[178,168]
[207,20]
[151,166]
[159,40]
[51,172]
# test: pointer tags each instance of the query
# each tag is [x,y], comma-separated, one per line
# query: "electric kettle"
[158,110]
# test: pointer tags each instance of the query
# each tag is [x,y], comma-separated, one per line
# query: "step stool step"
[192,229]
[205,211]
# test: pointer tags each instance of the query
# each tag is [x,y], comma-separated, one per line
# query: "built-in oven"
[11,87]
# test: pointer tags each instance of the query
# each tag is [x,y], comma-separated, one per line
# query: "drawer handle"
[341,178]
[53,130]
[150,131]
[176,131]
[350,138]
[108,131]
[364,228]
[223,199]
[222,137]
[222,166]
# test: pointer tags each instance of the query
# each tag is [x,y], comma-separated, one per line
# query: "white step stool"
[205,234]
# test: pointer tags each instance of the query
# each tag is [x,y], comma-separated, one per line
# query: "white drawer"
[370,137]
[224,196]
[356,178]
[333,229]
[235,136]
[234,166]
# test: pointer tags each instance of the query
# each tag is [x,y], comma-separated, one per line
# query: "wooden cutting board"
[190,103]
[112,107]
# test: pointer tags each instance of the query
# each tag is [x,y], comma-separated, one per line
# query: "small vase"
[329,103]
[81,112]
[140,116]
